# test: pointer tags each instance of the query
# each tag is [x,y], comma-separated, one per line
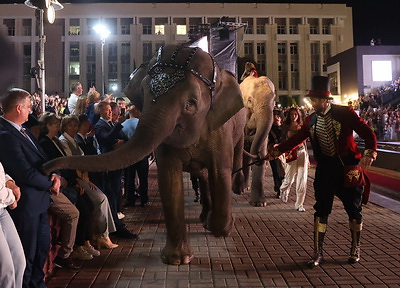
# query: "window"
[260,25]
[262,65]
[181,29]
[74,27]
[260,49]
[91,68]
[74,68]
[91,82]
[260,29]
[126,25]
[314,65]
[112,49]
[314,49]
[159,29]
[125,49]
[326,49]
[313,29]
[294,66]
[27,50]
[27,27]
[293,49]
[74,50]
[10,23]
[248,49]
[325,29]
[147,52]
[281,65]
[282,83]
[125,68]
[293,29]
[91,23]
[294,82]
[281,29]
[282,48]
[111,24]
[147,29]
[91,49]
[112,68]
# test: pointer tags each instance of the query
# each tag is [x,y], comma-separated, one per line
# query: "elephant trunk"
[264,123]
[150,133]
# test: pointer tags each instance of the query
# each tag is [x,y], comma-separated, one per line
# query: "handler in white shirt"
[12,260]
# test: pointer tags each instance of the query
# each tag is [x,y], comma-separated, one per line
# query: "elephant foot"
[218,227]
[238,185]
[258,202]
[176,256]
[203,217]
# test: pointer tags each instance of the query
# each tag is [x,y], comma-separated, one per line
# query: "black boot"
[355,230]
[319,234]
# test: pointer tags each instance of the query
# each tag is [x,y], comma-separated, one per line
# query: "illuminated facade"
[290,42]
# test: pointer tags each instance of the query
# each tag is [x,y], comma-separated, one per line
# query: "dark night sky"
[371,18]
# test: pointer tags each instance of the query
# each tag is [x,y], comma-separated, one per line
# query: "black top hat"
[320,88]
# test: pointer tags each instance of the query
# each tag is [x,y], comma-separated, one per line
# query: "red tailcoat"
[345,121]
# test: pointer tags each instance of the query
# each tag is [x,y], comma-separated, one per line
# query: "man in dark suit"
[109,135]
[22,158]
[330,129]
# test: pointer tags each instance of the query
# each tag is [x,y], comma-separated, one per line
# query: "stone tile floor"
[268,247]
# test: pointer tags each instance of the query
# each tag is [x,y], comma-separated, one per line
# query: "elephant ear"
[227,100]
[134,89]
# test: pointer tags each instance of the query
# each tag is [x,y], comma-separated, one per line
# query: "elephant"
[193,118]
[259,99]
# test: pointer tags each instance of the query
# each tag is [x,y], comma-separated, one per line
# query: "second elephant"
[259,99]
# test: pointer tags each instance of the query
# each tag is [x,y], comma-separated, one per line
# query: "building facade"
[289,42]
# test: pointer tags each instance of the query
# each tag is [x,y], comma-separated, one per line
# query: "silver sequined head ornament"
[162,81]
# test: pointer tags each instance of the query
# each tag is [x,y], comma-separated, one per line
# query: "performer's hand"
[366,162]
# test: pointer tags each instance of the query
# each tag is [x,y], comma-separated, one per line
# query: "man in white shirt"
[76,91]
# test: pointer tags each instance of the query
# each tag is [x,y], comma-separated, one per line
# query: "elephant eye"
[190,105]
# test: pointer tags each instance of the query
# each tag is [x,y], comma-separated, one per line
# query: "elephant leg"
[246,171]
[205,197]
[257,197]
[177,250]
[220,220]
[238,181]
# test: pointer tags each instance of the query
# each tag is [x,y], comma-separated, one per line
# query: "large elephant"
[259,99]
[193,117]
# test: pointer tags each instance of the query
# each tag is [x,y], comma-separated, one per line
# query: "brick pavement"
[268,247]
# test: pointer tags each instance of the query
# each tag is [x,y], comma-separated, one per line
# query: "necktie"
[326,134]
[22,130]
[111,123]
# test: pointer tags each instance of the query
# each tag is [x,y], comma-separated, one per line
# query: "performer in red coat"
[330,129]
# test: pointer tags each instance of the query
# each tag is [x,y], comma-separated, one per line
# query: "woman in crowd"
[71,189]
[103,223]
[296,161]
[81,105]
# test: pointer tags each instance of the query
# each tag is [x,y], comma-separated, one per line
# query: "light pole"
[103,32]
[43,7]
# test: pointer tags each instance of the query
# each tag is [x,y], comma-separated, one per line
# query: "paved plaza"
[268,247]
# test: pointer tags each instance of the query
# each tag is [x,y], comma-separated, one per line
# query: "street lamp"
[43,8]
[103,32]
